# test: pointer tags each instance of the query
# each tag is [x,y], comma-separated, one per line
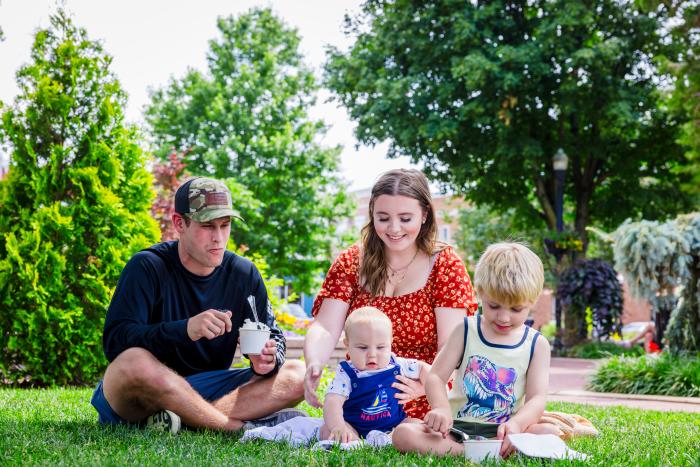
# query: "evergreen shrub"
[73,208]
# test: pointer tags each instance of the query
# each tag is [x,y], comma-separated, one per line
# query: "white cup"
[479,450]
[253,340]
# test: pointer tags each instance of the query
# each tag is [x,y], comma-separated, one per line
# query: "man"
[170,337]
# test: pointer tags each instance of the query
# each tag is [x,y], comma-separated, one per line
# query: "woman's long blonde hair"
[400,182]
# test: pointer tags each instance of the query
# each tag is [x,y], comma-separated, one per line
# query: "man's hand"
[311,380]
[265,362]
[209,324]
[504,429]
[439,420]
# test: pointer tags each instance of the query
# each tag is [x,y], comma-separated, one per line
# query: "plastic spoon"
[251,302]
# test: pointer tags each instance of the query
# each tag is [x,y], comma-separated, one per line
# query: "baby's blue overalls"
[371,404]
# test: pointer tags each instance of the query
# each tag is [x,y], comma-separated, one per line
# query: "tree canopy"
[661,263]
[73,208]
[484,93]
[247,120]
[681,23]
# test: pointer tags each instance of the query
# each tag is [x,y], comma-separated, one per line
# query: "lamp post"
[559,162]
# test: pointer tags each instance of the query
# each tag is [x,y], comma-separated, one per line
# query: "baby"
[361,397]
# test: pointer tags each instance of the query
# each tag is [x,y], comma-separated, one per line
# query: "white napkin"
[548,446]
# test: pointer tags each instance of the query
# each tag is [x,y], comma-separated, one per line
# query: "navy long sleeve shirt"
[156,295]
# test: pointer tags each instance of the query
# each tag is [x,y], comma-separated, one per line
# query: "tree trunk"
[662,314]
[575,330]
[683,332]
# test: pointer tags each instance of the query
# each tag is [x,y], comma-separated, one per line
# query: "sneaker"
[274,418]
[165,420]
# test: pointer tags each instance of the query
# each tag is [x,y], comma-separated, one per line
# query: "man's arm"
[276,335]
[127,322]
[267,316]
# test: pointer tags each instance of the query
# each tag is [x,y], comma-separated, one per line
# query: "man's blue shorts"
[211,385]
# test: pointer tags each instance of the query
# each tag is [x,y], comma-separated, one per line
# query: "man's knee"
[136,367]
[293,372]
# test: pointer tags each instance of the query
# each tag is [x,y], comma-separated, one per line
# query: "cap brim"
[211,214]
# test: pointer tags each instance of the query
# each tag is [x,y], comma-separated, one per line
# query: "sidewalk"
[567,383]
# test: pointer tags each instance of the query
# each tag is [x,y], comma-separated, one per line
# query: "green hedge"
[660,374]
[595,350]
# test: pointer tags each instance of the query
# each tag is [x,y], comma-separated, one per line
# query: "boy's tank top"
[489,383]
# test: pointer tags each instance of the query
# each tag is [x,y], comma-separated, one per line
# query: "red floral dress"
[412,314]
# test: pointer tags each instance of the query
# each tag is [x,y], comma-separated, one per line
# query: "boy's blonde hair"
[366,314]
[509,273]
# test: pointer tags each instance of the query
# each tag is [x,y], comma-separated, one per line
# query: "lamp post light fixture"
[559,162]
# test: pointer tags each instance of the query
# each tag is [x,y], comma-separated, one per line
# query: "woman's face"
[397,221]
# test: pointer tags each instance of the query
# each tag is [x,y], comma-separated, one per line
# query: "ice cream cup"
[253,340]
[479,450]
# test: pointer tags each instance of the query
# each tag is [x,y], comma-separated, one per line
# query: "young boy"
[361,397]
[502,365]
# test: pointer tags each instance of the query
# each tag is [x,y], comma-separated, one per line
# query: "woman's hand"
[410,389]
[311,380]
[319,343]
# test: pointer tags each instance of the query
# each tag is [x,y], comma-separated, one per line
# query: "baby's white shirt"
[409,367]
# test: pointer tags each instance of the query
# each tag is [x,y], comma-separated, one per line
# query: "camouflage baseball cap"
[204,199]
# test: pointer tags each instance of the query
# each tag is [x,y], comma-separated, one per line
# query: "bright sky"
[152,40]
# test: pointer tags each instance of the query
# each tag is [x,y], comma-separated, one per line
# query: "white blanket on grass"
[303,431]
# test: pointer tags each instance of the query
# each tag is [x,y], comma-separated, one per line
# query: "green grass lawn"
[59,426]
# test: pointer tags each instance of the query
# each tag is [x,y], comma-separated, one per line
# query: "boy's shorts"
[487,430]
[211,385]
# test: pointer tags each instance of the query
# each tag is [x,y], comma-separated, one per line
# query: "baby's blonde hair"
[509,273]
[366,314]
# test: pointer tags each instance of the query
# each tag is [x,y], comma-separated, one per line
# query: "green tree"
[480,226]
[483,93]
[247,119]
[680,22]
[73,208]
[661,263]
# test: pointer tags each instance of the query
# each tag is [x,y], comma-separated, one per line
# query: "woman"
[398,268]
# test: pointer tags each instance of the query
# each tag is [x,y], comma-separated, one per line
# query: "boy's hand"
[504,429]
[266,361]
[439,420]
[342,434]
[210,324]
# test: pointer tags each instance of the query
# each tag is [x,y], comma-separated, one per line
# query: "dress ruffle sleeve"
[452,287]
[341,281]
